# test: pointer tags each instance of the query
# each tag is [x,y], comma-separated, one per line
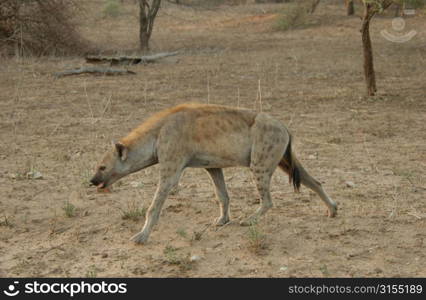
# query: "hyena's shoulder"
[150,125]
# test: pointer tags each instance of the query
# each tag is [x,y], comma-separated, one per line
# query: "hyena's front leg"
[167,181]
[216,175]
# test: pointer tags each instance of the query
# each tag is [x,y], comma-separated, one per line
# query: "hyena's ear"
[122,151]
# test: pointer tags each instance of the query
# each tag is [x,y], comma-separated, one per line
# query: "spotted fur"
[210,137]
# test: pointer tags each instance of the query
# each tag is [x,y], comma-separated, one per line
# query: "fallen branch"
[128,60]
[93,70]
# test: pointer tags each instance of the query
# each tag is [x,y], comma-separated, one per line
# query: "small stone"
[194,258]
[312,156]
[350,184]
[37,175]
[136,184]
[34,175]
[283,269]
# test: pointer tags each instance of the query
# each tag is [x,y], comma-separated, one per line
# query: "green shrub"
[413,3]
[256,240]
[69,209]
[112,8]
[293,16]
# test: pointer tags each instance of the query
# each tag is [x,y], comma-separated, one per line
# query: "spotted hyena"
[210,137]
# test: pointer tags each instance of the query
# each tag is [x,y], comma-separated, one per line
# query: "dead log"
[128,60]
[93,70]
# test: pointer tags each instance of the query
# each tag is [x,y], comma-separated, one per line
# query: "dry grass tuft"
[69,209]
[256,240]
[6,222]
[172,257]
[133,212]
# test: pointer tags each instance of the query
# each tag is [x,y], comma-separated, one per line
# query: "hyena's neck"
[143,153]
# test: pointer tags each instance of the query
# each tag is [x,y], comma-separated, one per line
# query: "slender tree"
[148,10]
[313,6]
[350,7]
[371,8]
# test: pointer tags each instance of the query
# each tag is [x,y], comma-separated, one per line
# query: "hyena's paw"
[222,221]
[332,211]
[140,238]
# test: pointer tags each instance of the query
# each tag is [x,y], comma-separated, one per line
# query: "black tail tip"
[295,176]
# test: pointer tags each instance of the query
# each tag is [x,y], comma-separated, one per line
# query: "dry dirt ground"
[370,153]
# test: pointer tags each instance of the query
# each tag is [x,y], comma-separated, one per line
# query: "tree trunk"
[397,10]
[370,76]
[370,10]
[147,13]
[314,5]
[350,7]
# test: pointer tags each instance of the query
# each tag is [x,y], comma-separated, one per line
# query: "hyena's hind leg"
[263,180]
[269,143]
[313,184]
[216,175]
[310,182]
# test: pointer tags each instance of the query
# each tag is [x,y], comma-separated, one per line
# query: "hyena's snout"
[95,181]
[98,180]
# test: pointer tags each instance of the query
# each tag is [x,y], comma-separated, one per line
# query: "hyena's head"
[112,167]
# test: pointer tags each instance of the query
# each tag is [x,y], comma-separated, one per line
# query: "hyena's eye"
[102,168]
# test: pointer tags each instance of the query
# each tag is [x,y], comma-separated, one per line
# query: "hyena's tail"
[291,166]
